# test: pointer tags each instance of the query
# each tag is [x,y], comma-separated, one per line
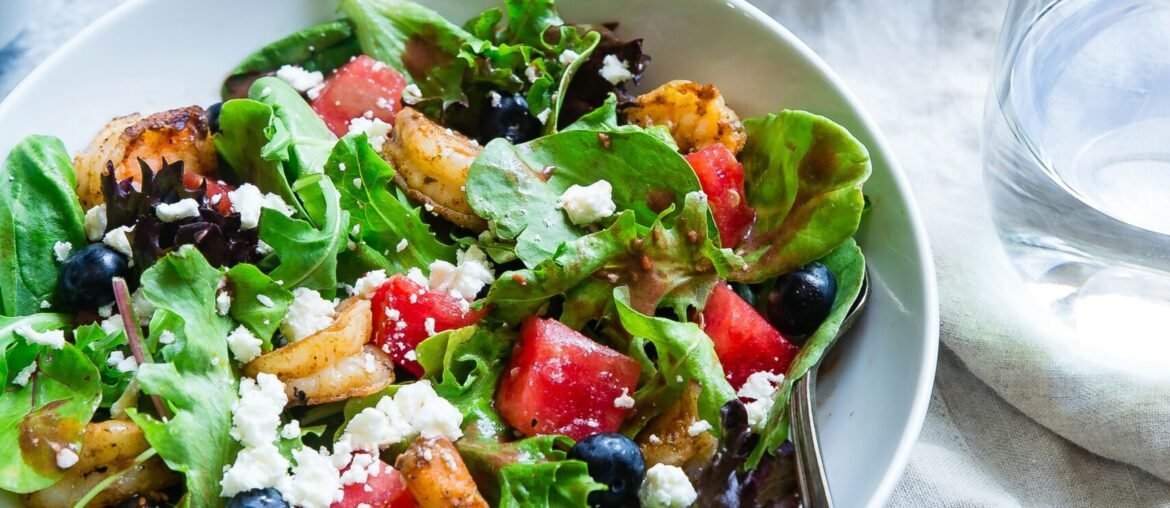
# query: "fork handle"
[810,469]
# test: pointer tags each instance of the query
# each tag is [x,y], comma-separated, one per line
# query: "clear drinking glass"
[1077,159]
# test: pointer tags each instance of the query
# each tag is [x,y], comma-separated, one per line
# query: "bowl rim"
[930,333]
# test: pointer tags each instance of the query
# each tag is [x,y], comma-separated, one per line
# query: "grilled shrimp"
[436,475]
[108,448]
[332,364]
[431,162]
[695,114]
[179,134]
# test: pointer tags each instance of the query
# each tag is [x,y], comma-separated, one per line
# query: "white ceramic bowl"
[873,400]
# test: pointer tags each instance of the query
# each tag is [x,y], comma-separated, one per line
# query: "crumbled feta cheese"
[373,428]
[223,302]
[376,130]
[67,458]
[166,337]
[357,184]
[95,222]
[291,430]
[402,245]
[416,276]
[666,487]
[45,304]
[113,324]
[22,378]
[654,439]
[265,92]
[568,56]
[118,241]
[532,73]
[256,414]
[52,338]
[122,363]
[185,208]
[369,283]
[308,314]
[106,310]
[495,98]
[586,205]
[543,115]
[428,207]
[466,278]
[624,400]
[429,326]
[262,248]
[699,427]
[315,481]
[244,345]
[265,300]
[411,355]
[411,94]
[429,414]
[258,467]
[61,250]
[248,201]
[614,70]
[760,391]
[141,306]
[299,78]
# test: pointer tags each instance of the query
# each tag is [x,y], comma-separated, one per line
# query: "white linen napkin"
[1021,416]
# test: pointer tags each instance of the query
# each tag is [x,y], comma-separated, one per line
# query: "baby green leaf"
[308,255]
[258,302]
[322,47]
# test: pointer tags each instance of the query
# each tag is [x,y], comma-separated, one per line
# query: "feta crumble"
[308,314]
[614,70]
[299,78]
[45,304]
[416,276]
[315,481]
[698,427]
[166,337]
[248,201]
[495,97]
[624,401]
[256,414]
[666,486]
[67,458]
[567,57]
[411,94]
[369,283]
[402,245]
[464,279]
[171,212]
[376,131]
[586,205]
[61,250]
[258,467]
[113,324]
[543,115]
[244,345]
[122,363]
[25,375]
[265,301]
[118,241]
[760,390]
[223,302]
[262,248]
[95,222]
[429,326]
[291,430]
[532,73]
[52,338]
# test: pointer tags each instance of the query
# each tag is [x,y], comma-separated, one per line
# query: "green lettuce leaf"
[512,187]
[197,383]
[381,218]
[464,366]
[311,140]
[803,176]
[248,130]
[50,410]
[605,119]
[684,354]
[38,208]
[848,265]
[322,47]
[307,254]
[96,344]
[246,284]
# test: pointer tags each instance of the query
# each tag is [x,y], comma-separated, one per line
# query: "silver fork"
[810,469]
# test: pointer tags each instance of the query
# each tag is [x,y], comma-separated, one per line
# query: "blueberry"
[86,276]
[213,116]
[801,300]
[615,461]
[258,498]
[508,118]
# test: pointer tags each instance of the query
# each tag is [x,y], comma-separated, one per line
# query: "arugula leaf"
[848,265]
[803,176]
[47,414]
[96,344]
[38,208]
[250,141]
[684,353]
[322,47]
[247,283]
[382,220]
[512,187]
[310,142]
[464,366]
[197,383]
[308,255]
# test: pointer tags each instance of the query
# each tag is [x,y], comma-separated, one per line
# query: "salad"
[407,262]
